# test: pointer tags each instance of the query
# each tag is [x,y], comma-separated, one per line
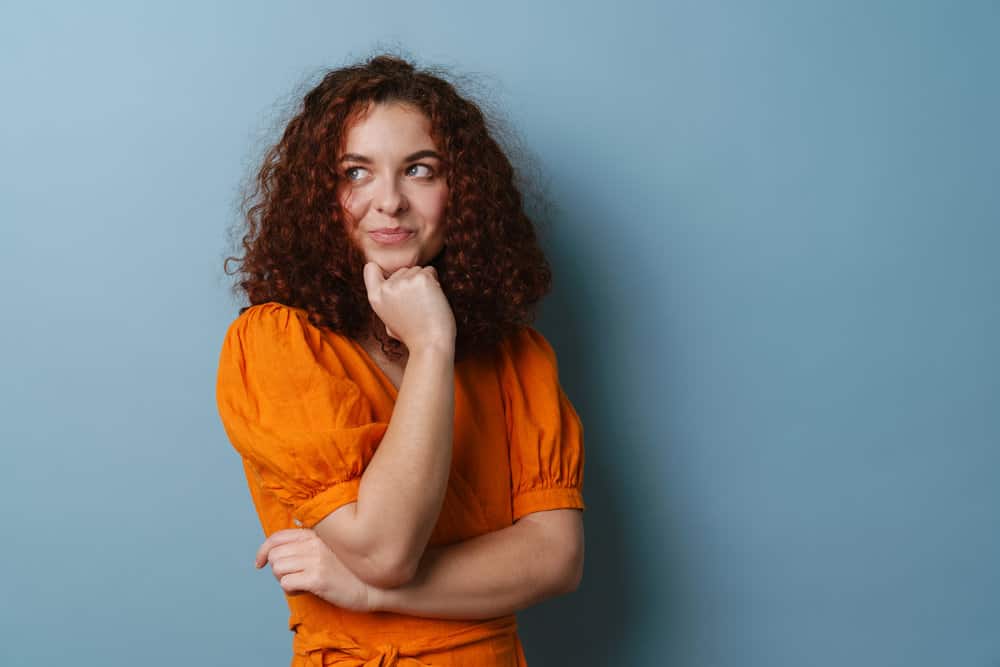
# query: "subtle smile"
[390,238]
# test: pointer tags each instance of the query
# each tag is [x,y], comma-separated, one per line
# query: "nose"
[390,199]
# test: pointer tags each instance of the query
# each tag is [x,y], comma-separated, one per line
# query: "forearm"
[490,575]
[403,487]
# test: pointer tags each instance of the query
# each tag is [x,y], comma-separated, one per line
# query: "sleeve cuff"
[314,510]
[551,498]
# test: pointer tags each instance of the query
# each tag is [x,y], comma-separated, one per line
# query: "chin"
[389,266]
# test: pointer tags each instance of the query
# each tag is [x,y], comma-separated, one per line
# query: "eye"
[350,171]
[428,171]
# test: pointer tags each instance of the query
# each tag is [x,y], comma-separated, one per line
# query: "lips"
[391,235]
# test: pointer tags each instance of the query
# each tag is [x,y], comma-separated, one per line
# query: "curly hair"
[298,252]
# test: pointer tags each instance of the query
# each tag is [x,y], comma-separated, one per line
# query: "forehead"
[385,130]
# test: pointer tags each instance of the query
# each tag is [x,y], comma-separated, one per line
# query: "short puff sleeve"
[291,412]
[544,430]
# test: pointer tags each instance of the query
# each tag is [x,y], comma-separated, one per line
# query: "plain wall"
[774,234]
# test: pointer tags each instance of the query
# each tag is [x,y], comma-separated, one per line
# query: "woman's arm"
[382,536]
[494,574]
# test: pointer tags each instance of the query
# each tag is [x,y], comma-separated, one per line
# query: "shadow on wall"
[593,626]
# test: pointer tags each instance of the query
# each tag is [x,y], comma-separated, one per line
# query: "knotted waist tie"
[324,648]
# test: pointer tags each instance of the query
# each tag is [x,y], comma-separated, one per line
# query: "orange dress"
[306,409]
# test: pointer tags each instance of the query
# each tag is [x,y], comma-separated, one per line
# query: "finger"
[291,582]
[276,538]
[373,277]
[404,272]
[286,565]
[287,550]
[296,581]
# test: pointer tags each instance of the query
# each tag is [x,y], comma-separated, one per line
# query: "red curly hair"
[297,251]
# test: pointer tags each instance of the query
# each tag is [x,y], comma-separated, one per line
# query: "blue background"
[774,229]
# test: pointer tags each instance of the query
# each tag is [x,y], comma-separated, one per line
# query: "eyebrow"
[354,157]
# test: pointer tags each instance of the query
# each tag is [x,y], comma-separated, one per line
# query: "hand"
[302,562]
[411,304]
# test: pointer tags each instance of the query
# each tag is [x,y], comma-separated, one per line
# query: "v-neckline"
[386,380]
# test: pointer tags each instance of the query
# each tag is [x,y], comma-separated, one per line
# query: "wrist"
[437,349]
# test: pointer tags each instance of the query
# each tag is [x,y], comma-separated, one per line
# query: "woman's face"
[393,188]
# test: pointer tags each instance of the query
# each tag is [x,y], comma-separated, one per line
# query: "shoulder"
[267,318]
[278,337]
[527,342]
[274,323]
[527,352]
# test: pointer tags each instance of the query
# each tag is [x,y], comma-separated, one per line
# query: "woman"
[416,467]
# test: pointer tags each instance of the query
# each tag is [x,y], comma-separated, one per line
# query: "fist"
[411,305]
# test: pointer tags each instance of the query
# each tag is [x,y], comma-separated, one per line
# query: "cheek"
[429,205]
[353,207]
[441,203]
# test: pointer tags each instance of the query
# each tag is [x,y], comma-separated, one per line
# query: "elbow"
[388,578]
[565,573]
[364,551]
[572,571]
[388,571]
[561,539]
